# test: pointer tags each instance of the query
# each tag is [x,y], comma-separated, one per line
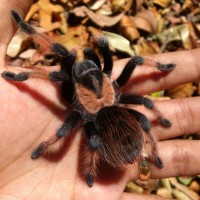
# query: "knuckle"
[181,159]
[183,115]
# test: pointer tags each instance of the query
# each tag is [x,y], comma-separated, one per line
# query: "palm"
[31,112]
[32,115]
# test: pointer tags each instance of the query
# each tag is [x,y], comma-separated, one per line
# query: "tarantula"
[113,133]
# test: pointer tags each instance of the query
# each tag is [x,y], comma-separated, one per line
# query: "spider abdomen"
[91,102]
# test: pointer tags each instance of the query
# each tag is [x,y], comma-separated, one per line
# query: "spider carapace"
[114,134]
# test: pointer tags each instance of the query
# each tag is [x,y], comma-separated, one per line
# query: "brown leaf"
[118,42]
[164,192]
[100,20]
[128,28]
[195,186]
[146,21]
[76,38]
[132,187]
[183,191]
[17,44]
[48,12]
[144,48]
[163,3]
[185,90]
[119,5]
[176,33]
[97,4]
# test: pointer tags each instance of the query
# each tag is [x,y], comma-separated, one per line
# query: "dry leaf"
[163,3]
[17,44]
[105,10]
[119,43]
[76,38]
[97,4]
[164,192]
[185,90]
[47,11]
[27,54]
[183,189]
[144,48]
[100,20]
[132,187]
[118,5]
[195,186]
[128,28]
[166,184]
[180,195]
[146,21]
[176,33]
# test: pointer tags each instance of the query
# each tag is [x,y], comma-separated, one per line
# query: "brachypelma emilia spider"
[114,134]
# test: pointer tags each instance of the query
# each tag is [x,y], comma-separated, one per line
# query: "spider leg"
[148,103]
[146,126]
[23,76]
[91,153]
[67,62]
[107,57]
[68,58]
[70,122]
[43,40]
[138,60]
[58,76]
[22,24]
[90,54]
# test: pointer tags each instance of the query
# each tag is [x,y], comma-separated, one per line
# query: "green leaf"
[119,43]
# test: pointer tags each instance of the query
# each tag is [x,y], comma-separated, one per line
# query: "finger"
[183,113]
[129,196]
[143,81]
[180,158]
[6,23]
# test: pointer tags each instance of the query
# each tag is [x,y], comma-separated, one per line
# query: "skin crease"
[31,112]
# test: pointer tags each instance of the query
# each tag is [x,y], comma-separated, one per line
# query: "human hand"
[32,112]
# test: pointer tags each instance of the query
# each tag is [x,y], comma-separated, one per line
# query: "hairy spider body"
[92,102]
[114,133]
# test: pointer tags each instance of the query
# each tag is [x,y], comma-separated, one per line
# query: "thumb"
[7,27]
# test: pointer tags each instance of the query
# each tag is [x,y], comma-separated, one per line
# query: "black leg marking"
[89,180]
[58,76]
[159,162]
[146,126]
[67,62]
[38,151]
[107,57]
[142,119]
[67,91]
[129,68]
[67,58]
[165,67]
[148,103]
[136,99]
[91,153]
[15,77]
[94,139]
[71,122]
[90,54]
[22,24]
[42,147]
[59,49]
